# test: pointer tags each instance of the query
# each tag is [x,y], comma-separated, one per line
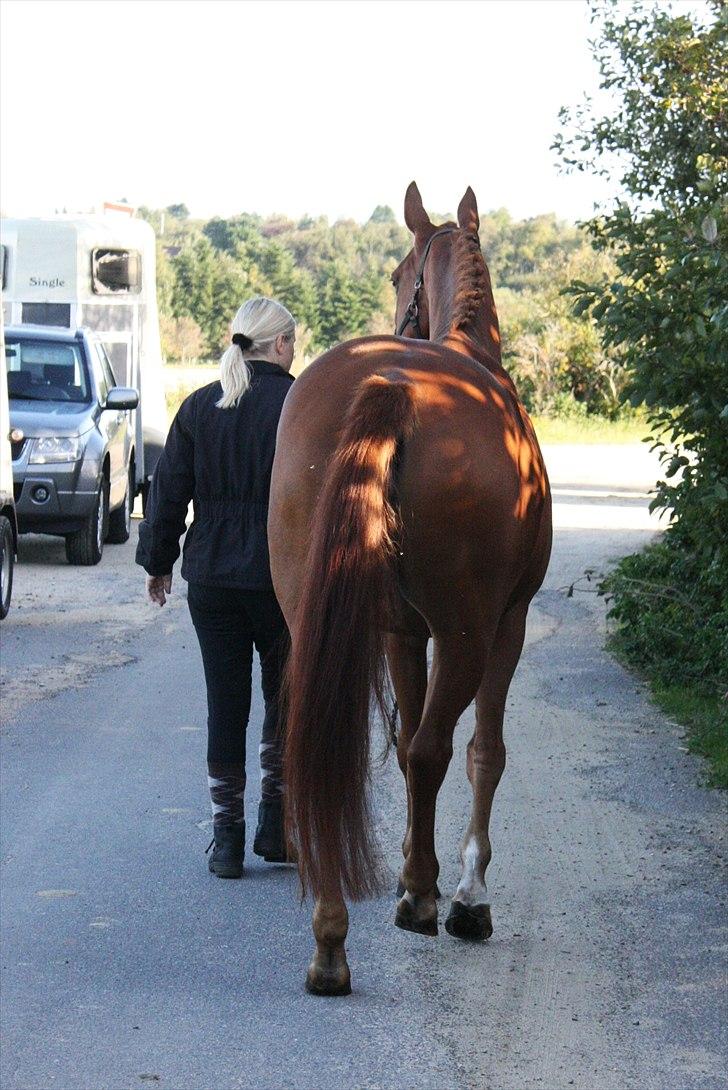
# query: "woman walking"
[219,454]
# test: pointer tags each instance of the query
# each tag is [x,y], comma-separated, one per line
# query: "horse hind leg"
[328,973]
[456,671]
[469,916]
[407,659]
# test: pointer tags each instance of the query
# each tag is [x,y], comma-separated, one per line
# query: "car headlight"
[66,449]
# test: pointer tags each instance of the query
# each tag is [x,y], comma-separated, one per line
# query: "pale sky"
[293,106]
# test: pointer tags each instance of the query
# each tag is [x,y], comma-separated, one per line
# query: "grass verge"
[669,611]
[705,718]
[589,429]
[707,721]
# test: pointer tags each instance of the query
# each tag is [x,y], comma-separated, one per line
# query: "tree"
[666,136]
[165,281]
[293,287]
[343,312]
[227,235]
[182,339]
[382,214]
[518,251]
[335,279]
[232,283]
[556,359]
[194,293]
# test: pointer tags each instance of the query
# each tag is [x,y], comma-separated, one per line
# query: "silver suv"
[72,439]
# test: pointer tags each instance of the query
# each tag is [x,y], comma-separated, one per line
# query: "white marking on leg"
[472,889]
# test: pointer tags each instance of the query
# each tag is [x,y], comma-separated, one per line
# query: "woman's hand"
[158,587]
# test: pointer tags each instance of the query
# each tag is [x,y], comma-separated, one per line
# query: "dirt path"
[125,963]
[607,966]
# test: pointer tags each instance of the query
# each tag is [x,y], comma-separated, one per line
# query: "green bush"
[666,312]
[671,616]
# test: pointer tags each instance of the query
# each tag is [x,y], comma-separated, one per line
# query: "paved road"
[124,964]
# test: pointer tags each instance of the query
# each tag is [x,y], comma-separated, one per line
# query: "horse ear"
[414,213]
[468,217]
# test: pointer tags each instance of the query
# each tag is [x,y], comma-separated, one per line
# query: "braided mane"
[471,280]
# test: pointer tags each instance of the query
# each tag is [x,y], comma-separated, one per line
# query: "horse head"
[443,285]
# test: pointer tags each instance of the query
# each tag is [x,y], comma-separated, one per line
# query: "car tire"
[86,546]
[7,565]
[120,519]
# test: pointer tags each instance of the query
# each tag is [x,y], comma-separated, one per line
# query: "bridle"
[411,315]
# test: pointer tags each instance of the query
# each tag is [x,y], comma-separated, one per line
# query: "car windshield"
[41,370]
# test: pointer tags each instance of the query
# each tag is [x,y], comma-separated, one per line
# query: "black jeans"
[229,622]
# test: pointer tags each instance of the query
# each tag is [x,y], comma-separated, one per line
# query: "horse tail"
[337,659]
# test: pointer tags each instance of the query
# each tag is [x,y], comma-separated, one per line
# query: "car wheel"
[85,546]
[7,563]
[120,520]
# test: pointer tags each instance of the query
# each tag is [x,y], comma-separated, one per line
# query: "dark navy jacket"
[221,459]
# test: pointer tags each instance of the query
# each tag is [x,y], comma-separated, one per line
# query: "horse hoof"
[469,921]
[420,927]
[328,983]
[408,920]
[401,890]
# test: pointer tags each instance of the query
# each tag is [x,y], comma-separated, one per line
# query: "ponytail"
[254,328]
[234,377]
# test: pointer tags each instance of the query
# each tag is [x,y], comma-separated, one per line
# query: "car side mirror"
[122,397]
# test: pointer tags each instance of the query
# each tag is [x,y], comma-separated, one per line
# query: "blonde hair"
[261,320]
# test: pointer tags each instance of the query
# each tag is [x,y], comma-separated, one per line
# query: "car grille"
[17,447]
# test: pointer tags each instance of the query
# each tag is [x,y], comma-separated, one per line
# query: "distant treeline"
[334,278]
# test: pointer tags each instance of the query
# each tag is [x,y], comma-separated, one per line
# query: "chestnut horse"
[409,501]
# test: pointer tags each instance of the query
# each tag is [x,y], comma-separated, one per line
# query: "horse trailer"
[97,272]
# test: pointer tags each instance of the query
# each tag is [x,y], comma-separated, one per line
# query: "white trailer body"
[6,465]
[8,519]
[97,271]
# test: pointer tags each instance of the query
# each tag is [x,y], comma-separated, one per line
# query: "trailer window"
[116,272]
[45,371]
[58,314]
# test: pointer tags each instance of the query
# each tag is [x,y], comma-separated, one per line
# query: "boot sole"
[226,870]
[271,857]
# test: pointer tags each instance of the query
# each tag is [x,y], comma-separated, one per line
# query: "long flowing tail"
[337,659]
